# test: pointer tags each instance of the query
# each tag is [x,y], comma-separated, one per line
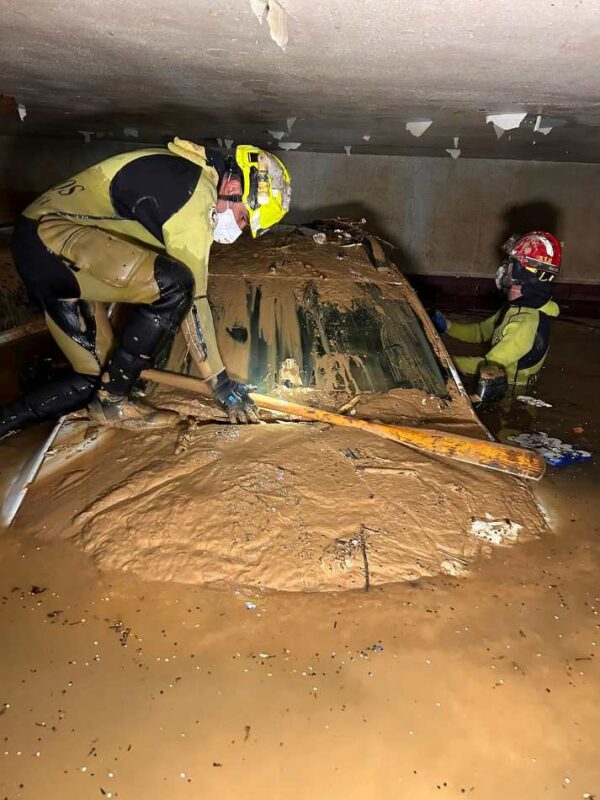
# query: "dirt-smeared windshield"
[289,313]
[276,333]
[375,344]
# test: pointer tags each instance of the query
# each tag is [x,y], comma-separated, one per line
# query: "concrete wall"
[28,166]
[447,217]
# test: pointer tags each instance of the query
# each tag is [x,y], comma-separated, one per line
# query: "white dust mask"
[226,230]
[504,279]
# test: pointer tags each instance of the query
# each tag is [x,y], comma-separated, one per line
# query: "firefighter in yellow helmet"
[138,228]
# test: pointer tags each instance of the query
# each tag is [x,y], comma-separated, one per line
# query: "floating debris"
[554,451]
[454,567]
[122,631]
[533,401]
[495,531]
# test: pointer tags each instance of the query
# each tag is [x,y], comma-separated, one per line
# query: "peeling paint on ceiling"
[207,71]
[418,126]
[506,122]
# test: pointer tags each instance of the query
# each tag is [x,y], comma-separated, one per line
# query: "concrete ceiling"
[351,69]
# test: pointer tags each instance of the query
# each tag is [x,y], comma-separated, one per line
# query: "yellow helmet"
[267,187]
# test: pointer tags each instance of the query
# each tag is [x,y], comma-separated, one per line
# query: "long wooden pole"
[481,453]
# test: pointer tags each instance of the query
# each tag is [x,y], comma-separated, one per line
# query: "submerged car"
[319,315]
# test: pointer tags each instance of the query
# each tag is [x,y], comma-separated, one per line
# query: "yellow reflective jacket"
[187,233]
[519,338]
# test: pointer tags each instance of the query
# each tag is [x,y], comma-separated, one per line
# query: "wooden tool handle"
[480,452]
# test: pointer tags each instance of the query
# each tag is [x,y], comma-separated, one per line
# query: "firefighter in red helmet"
[519,331]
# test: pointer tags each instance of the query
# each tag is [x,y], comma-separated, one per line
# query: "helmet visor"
[534,263]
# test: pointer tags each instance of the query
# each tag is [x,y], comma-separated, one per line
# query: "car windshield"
[376,344]
[289,335]
[291,314]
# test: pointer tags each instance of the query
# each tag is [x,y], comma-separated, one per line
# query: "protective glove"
[492,386]
[440,323]
[233,398]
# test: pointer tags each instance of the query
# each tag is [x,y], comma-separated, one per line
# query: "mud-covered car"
[316,314]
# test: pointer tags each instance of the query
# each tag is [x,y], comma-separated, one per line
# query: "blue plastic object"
[561,460]
[552,450]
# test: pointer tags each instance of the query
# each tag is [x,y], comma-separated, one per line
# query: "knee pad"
[150,324]
[176,285]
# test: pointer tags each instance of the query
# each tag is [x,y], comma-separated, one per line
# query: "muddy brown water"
[485,686]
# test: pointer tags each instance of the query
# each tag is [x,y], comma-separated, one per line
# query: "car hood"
[286,506]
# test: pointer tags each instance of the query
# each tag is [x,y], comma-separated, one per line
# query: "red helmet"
[537,252]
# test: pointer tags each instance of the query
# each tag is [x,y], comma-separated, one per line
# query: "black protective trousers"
[73,273]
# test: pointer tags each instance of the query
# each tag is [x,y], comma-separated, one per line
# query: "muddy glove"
[440,323]
[492,385]
[233,397]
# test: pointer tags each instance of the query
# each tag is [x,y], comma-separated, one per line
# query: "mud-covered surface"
[284,506]
[14,305]
[466,669]
[483,687]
